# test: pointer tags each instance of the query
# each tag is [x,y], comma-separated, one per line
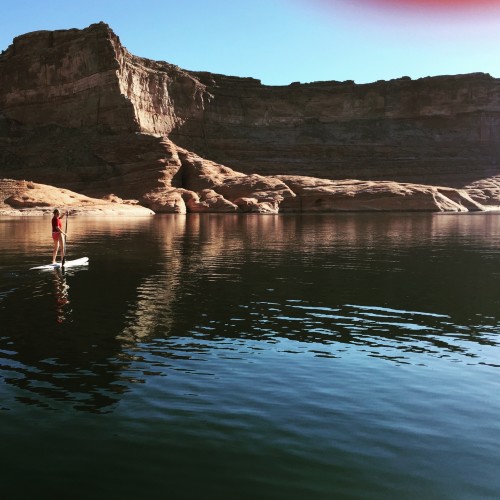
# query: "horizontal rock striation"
[80,112]
[85,78]
[441,130]
[65,77]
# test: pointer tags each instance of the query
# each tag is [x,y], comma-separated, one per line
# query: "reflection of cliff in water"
[159,292]
[54,359]
[58,334]
[316,279]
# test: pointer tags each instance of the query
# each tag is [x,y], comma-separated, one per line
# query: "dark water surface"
[252,357]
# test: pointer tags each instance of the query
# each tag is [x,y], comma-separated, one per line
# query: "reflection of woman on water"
[58,235]
[61,293]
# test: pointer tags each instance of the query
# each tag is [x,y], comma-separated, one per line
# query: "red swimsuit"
[56,225]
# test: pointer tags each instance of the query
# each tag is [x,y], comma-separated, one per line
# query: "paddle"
[65,240]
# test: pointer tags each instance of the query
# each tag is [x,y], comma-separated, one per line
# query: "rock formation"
[30,198]
[79,112]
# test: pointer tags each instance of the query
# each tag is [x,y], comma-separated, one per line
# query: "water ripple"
[382,329]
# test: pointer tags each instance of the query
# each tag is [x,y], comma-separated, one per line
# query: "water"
[270,357]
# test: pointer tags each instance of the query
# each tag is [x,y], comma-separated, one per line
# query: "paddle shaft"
[65,240]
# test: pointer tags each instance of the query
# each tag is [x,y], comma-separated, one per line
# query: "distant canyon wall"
[76,110]
[441,130]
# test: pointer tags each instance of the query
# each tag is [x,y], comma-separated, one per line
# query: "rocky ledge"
[30,198]
[210,187]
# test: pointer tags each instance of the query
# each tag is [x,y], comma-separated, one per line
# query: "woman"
[58,235]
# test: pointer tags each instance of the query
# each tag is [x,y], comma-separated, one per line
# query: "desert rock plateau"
[86,125]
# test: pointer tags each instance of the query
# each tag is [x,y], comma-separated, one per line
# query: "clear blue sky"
[282,41]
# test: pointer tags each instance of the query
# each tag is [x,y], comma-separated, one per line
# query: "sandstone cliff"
[78,111]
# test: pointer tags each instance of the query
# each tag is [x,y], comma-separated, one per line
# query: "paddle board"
[69,263]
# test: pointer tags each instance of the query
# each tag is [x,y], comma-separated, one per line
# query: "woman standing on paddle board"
[58,235]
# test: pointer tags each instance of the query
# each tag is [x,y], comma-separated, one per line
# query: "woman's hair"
[56,211]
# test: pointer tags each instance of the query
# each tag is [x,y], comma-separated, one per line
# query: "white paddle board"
[69,263]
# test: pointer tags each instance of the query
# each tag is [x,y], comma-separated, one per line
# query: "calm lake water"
[252,357]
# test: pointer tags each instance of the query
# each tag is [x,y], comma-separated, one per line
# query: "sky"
[285,41]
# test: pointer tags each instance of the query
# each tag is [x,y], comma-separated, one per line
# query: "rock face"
[86,78]
[79,112]
[322,195]
[66,77]
[440,131]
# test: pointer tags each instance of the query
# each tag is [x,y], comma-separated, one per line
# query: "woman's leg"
[54,253]
[61,245]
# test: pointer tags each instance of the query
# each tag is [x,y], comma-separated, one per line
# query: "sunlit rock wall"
[441,130]
[79,111]
[65,77]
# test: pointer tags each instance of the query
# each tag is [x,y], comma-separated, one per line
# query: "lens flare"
[436,3]
[450,5]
